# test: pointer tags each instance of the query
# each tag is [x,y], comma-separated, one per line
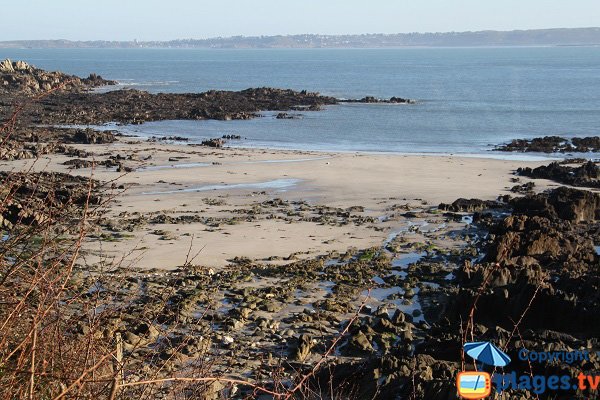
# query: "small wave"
[157,83]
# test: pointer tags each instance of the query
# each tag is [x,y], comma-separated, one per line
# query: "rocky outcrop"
[540,271]
[90,136]
[560,204]
[553,144]
[27,143]
[15,150]
[468,205]
[284,115]
[135,106]
[35,198]
[547,243]
[586,175]
[77,163]
[53,135]
[216,142]
[525,188]
[586,144]
[375,100]
[20,77]
[74,105]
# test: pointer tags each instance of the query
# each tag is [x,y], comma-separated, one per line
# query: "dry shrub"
[51,341]
[61,321]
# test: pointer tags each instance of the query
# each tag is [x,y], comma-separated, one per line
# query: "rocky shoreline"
[418,294]
[379,320]
[74,104]
[18,77]
[553,144]
[584,175]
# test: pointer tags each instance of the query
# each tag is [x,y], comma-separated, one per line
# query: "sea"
[467,99]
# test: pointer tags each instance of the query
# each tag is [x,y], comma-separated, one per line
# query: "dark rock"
[90,136]
[218,143]
[368,99]
[168,138]
[586,144]
[562,203]
[400,100]
[284,115]
[375,100]
[585,175]
[553,144]
[42,196]
[468,205]
[361,343]
[79,163]
[543,261]
[135,106]
[303,349]
[526,188]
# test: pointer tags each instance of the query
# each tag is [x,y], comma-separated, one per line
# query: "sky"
[177,19]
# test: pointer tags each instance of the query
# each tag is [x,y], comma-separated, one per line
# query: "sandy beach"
[227,184]
[156,244]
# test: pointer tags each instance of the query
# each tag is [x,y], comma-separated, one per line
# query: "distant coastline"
[535,37]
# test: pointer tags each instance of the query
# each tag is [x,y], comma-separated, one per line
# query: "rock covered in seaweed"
[553,144]
[136,106]
[585,175]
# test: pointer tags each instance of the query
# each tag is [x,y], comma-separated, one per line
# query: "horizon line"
[299,34]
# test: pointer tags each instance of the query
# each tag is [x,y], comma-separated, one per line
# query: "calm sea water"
[469,99]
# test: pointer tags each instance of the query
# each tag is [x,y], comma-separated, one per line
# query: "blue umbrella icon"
[487,353]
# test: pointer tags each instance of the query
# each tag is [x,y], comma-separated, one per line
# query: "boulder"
[585,175]
[6,66]
[561,203]
[304,345]
[468,205]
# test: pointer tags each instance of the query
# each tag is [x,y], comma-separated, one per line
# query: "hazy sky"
[172,19]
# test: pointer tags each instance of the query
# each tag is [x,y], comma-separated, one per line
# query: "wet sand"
[333,200]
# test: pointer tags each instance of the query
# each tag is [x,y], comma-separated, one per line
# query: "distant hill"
[536,37]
